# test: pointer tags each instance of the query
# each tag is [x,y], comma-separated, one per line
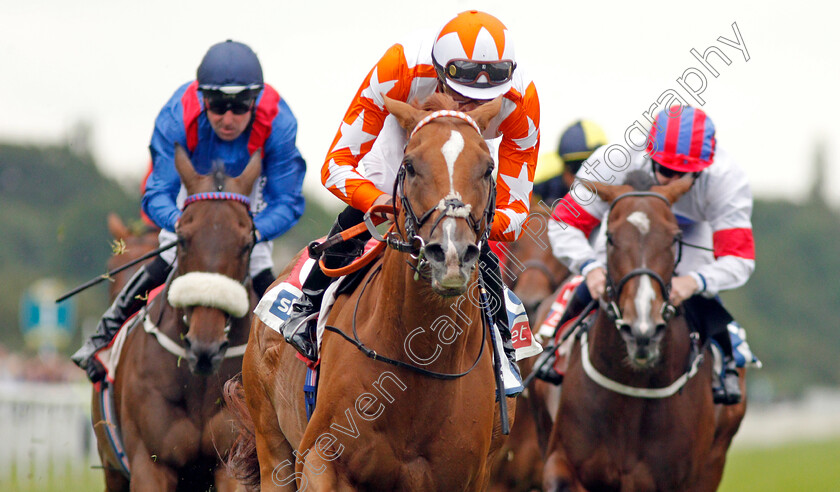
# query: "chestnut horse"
[174,429]
[129,245]
[636,410]
[385,427]
[534,275]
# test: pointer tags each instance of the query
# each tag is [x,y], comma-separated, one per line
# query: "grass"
[82,479]
[811,467]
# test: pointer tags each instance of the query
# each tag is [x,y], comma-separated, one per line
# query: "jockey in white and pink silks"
[714,214]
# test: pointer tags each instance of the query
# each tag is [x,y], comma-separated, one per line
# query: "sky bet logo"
[282,306]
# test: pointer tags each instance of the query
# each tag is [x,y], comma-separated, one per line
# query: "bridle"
[613,290]
[450,206]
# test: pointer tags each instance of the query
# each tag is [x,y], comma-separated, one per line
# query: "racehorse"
[534,274]
[129,245]
[636,410]
[174,429]
[396,426]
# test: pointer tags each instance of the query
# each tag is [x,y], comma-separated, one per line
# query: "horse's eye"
[409,168]
[489,172]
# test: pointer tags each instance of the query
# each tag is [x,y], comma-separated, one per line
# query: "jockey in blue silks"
[224,116]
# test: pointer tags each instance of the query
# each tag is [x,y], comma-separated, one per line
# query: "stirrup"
[545,368]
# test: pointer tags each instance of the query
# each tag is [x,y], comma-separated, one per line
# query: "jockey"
[470,59]
[714,213]
[225,115]
[577,142]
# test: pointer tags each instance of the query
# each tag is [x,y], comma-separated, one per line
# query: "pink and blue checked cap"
[683,139]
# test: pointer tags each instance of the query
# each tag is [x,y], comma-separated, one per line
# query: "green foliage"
[800,466]
[789,305]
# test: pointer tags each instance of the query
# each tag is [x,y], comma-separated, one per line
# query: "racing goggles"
[667,173]
[467,72]
[221,104]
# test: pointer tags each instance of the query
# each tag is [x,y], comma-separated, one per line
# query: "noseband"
[613,290]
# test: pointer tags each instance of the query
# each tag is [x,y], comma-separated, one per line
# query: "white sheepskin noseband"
[209,289]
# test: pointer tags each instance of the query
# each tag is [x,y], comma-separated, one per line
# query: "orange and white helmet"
[473,55]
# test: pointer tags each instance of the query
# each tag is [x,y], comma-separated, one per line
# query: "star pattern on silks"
[353,136]
[520,187]
[531,139]
[376,89]
[338,177]
[517,219]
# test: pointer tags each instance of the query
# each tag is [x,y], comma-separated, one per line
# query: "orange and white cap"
[474,55]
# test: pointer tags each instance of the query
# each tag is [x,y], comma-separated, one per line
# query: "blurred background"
[79,105]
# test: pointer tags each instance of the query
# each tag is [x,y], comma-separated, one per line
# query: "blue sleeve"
[284,169]
[159,200]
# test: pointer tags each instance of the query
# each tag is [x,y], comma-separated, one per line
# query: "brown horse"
[129,245]
[636,410]
[168,408]
[534,274]
[380,426]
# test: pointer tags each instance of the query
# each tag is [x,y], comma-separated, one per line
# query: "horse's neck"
[427,323]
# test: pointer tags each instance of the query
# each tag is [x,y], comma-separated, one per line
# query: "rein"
[381,358]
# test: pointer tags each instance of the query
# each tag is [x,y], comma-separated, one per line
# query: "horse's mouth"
[449,289]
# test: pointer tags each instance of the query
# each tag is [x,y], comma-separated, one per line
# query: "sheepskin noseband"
[209,289]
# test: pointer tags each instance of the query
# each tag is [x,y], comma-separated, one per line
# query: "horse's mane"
[438,101]
[639,180]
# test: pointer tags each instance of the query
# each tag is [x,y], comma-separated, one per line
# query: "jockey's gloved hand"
[596,281]
[682,288]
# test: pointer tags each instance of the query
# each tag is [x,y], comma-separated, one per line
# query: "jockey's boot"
[545,363]
[128,301]
[727,389]
[262,281]
[299,329]
[493,283]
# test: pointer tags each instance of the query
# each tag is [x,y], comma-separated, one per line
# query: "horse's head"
[446,176]
[642,233]
[215,238]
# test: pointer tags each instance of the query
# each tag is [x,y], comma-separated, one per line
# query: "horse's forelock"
[219,175]
[640,180]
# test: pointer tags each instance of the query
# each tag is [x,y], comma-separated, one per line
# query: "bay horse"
[129,244]
[168,409]
[386,427]
[636,410]
[532,272]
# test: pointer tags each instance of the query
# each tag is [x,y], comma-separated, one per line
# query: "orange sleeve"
[360,127]
[518,153]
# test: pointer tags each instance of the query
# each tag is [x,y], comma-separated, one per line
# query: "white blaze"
[640,220]
[645,296]
[451,150]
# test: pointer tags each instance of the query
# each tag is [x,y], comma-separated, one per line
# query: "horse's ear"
[244,183]
[484,113]
[407,115]
[185,168]
[675,189]
[606,192]
[117,227]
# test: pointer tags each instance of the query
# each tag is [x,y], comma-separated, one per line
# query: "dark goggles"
[667,172]
[467,72]
[223,105]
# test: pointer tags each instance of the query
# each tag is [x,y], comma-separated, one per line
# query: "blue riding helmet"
[231,68]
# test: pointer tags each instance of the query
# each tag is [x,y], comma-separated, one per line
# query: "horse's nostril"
[224,346]
[435,253]
[470,254]
[187,343]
